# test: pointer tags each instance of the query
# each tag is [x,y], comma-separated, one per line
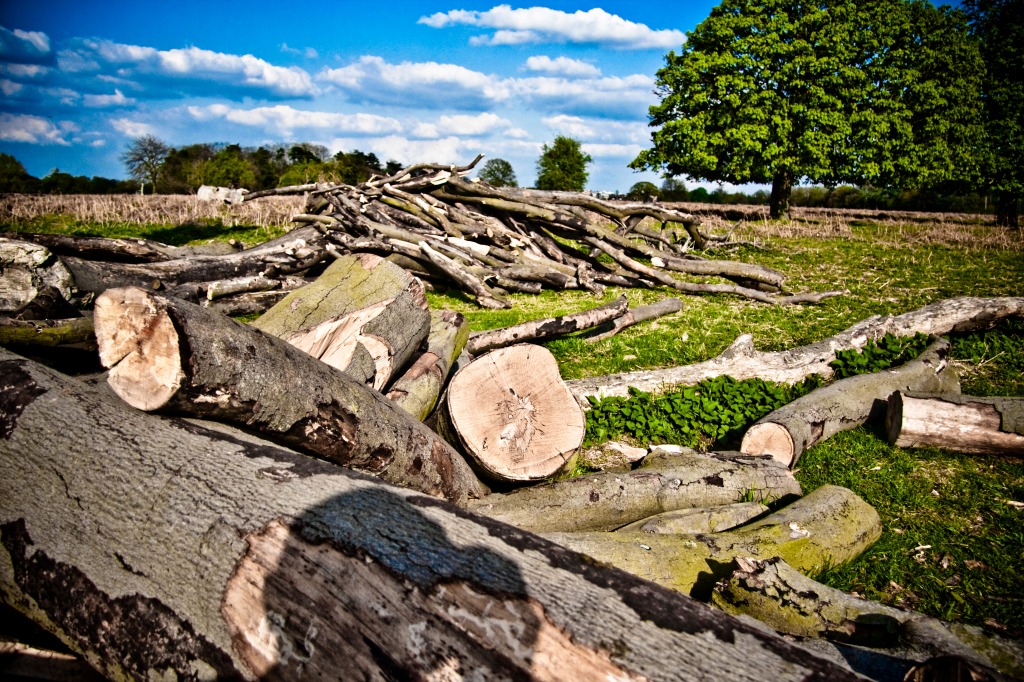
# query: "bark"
[789,431]
[782,190]
[643,313]
[509,411]
[984,426]
[694,521]
[30,272]
[742,361]
[610,500]
[418,389]
[1007,209]
[46,333]
[364,316]
[166,354]
[828,527]
[535,330]
[791,603]
[192,553]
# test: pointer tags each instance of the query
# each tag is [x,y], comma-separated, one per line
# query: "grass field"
[952,546]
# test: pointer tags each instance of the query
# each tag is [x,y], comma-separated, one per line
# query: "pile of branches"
[488,240]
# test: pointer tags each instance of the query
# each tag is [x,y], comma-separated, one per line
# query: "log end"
[139,344]
[769,438]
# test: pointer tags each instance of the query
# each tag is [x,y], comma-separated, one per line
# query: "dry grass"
[132,209]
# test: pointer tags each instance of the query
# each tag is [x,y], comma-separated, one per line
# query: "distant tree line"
[14,178]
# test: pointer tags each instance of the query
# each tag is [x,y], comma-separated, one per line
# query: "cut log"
[364,316]
[535,330]
[742,361]
[167,354]
[793,428]
[47,333]
[828,527]
[963,423]
[163,549]
[610,500]
[636,315]
[30,271]
[791,603]
[419,388]
[693,521]
[510,412]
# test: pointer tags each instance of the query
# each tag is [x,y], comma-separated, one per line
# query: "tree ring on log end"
[140,346]
[513,415]
[769,439]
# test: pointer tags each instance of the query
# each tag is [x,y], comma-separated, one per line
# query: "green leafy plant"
[888,351]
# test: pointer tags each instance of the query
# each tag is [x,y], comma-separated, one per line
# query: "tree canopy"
[144,157]
[563,166]
[498,173]
[779,91]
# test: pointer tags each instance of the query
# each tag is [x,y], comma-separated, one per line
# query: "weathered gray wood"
[793,428]
[693,521]
[167,354]
[742,361]
[162,548]
[609,500]
[828,526]
[28,270]
[636,315]
[789,602]
[417,390]
[364,315]
[990,426]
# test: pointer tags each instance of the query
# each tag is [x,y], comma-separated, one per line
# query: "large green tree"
[144,157]
[780,91]
[563,166]
[498,173]
[999,24]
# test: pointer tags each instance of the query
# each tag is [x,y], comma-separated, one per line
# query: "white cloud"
[545,25]
[31,47]
[446,150]
[599,150]
[33,129]
[285,120]
[24,71]
[599,130]
[192,68]
[116,100]
[563,66]
[132,128]
[9,87]
[627,96]
[308,53]
[473,126]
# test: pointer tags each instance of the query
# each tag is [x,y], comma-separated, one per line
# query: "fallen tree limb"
[988,426]
[702,520]
[742,361]
[829,526]
[636,315]
[535,330]
[418,389]
[47,333]
[166,354]
[610,500]
[789,431]
[789,602]
[193,553]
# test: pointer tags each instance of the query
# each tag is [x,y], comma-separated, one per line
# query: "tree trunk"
[636,315]
[510,412]
[742,361]
[364,316]
[791,603]
[481,342]
[164,549]
[698,521]
[828,527]
[963,423]
[782,190]
[166,354]
[417,390]
[610,500]
[793,428]
[1007,209]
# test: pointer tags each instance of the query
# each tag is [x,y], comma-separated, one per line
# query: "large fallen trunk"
[164,549]
[31,272]
[828,527]
[606,501]
[985,426]
[419,388]
[167,354]
[742,361]
[510,412]
[364,316]
[789,602]
[789,431]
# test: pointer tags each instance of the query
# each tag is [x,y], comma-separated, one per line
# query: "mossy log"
[417,390]
[167,354]
[47,333]
[828,527]
[985,426]
[791,603]
[162,549]
[742,361]
[793,428]
[364,316]
[610,500]
[701,520]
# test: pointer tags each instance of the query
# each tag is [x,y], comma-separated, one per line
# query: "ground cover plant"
[953,544]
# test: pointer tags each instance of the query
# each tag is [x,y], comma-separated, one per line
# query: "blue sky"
[409,81]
